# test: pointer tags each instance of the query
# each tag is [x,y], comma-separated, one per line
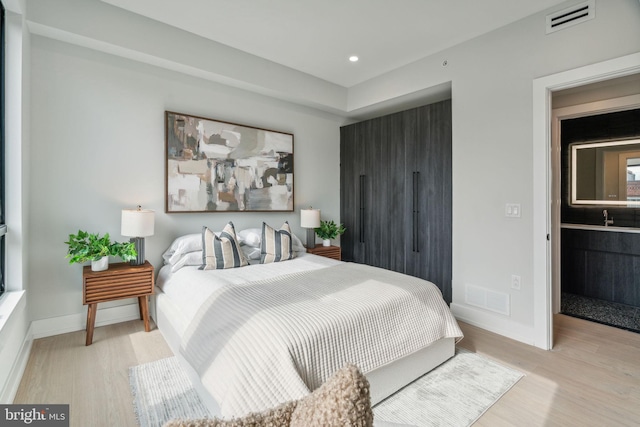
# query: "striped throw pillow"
[276,245]
[221,251]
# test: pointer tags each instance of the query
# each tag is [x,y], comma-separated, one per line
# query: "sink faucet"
[607,221]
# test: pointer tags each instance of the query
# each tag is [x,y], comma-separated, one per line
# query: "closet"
[395,193]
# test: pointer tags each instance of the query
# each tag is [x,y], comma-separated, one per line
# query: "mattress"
[181,295]
[189,285]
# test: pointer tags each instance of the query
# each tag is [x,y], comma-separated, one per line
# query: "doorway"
[597,252]
[546,225]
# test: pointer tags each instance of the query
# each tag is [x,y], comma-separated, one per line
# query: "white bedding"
[234,351]
[189,287]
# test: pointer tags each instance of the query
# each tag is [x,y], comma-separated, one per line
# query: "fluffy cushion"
[191,258]
[253,237]
[276,245]
[187,250]
[221,251]
[251,253]
[181,246]
[250,237]
[343,400]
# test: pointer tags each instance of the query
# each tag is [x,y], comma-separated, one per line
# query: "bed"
[255,336]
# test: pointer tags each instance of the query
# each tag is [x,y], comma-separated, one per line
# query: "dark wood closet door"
[385,157]
[395,193]
[352,176]
[428,221]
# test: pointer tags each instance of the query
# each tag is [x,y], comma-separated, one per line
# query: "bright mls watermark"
[34,415]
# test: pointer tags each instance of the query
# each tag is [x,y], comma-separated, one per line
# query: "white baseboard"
[493,323]
[77,322]
[19,365]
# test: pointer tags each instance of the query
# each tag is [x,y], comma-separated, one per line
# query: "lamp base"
[311,238]
[139,243]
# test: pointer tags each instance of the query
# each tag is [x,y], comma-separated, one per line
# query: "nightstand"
[119,281]
[327,251]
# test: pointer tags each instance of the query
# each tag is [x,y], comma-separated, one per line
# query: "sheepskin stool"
[343,400]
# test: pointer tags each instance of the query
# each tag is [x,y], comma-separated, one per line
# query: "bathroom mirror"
[606,173]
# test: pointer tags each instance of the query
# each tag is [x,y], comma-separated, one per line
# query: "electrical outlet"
[515,282]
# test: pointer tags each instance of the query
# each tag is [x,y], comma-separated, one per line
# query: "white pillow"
[181,246]
[252,237]
[297,244]
[192,258]
[250,252]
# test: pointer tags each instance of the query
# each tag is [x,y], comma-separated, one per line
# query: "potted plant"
[329,230]
[91,247]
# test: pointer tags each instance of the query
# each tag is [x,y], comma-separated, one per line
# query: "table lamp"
[310,219]
[137,224]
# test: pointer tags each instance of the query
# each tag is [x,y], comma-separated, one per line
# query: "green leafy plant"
[329,230]
[91,247]
[125,250]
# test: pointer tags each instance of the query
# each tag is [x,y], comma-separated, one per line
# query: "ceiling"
[318,36]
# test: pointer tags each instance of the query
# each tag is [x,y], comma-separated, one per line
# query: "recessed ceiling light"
[353,58]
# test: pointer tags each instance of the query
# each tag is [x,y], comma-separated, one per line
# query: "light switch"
[512,210]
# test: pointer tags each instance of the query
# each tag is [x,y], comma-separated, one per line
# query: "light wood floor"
[590,378]
[93,380]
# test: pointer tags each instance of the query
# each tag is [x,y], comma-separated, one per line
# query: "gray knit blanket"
[266,342]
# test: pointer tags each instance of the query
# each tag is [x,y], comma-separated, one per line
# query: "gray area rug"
[162,392]
[454,394]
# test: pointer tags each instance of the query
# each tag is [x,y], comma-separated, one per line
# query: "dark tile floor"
[609,313]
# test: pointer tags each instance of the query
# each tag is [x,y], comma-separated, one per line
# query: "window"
[3,227]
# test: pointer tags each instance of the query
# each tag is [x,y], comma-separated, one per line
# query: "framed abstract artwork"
[215,166]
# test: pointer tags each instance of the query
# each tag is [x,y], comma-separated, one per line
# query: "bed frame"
[384,381]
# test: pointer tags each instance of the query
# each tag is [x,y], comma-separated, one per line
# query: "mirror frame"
[573,191]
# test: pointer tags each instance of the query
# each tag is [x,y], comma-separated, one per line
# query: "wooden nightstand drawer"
[105,288]
[119,281]
[333,252]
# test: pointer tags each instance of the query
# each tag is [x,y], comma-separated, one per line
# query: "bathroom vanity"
[601,262]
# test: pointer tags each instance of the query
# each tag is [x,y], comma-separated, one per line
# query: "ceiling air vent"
[571,16]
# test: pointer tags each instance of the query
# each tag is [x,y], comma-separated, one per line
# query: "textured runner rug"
[162,392]
[454,394]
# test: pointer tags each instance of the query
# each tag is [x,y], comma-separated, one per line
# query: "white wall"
[18,87]
[98,147]
[492,79]
[493,128]
[15,340]
[609,89]
[87,105]
[99,25]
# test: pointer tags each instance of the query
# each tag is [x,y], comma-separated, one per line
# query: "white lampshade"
[309,218]
[137,222]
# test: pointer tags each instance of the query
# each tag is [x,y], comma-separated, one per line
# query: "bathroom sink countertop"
[601,228]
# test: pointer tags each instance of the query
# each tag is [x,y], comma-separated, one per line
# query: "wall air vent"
[497,302]
[574,15]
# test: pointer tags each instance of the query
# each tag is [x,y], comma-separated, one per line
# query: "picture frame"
[218,166]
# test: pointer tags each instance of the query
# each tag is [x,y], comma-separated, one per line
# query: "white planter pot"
[326,242]
[101,264]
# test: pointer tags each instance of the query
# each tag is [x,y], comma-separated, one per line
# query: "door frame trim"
[542,179]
